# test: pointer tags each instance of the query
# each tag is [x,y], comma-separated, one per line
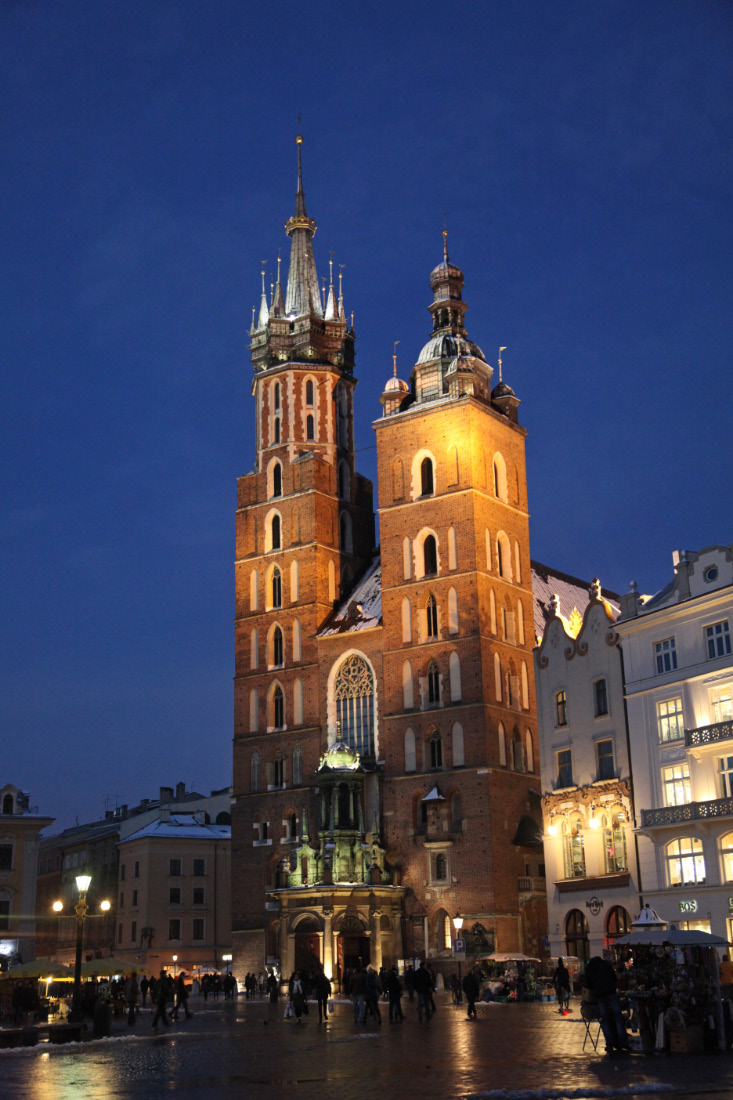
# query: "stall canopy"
[509,956]
[39,968]
[106,968]
[660,937]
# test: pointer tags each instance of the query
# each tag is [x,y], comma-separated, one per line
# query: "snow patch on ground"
[572,1094]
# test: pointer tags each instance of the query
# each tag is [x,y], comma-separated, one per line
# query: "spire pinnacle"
[264,316]
[445,245]
[302,294]
[342,315]
[331,312]
[394,359]
[500,351]
[300,194]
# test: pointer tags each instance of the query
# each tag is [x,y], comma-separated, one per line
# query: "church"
[386,771]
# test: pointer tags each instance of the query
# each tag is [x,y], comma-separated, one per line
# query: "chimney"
[166,794]
[180,792]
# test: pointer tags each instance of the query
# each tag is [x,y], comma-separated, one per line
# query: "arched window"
[276,588]
[497,677]
[500,477]
[406,559]
[344,481]
[294,582]
[297,765]
[492,610]
[452,557]
[275,479]
[254,646]
[276,430]
[276,708]
[573,848]
[452,611]
[298,703]
[525,687]
[488,549]
[275,648]
[254,586]
[618,923]
[459,756]
[297,643]
[520,622]
[8,804]
[685,861]
[502,745]
[576,935]
[614,841]
[435,746]
[454,666]
[253,710]
[431,609]
[433,684]
[273,531]
[447,932]
[430,556]
[345,531]
[310,427]
[406,620]
[529,750]
[427,483]
[408,695]
[309,392]
[278,771]
[354,695]
[503,556]
[276,396]
[254,772]
[410,756]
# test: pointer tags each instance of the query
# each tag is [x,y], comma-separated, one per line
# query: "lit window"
[574,849]
[600,697]
[666,655]
[676,785]
[614,842]
[604,749]
[685,862]
[726,850]
[561,708]
[721,704]
[354,694]
[564,768]
[670,720]
[447,933]
[725,771]
[718,639]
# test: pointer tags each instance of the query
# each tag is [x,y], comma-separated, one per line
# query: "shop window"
[618,923]
[670,720]
[685,862]
[600,698]
[573,848]
[614,842]
[665,656]
[604,756]
[576,935]
[564,760]
[717,637]
[676,785]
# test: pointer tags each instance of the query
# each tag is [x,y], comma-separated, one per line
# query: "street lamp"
[458,925]
[175,961]
[81,908]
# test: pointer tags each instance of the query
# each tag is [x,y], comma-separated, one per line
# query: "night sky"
[582,154]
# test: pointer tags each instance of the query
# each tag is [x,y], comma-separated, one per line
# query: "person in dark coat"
[144,987]
[424,988]
[181,997]
[394,990]
[161,1000]
[601,979]
[323,992]
[471,988]
[561,982]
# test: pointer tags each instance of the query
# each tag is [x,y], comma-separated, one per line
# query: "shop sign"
[730,903]
[595,905]
[688,906]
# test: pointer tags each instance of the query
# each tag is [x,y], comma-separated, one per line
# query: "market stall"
[510,976]
[671,979]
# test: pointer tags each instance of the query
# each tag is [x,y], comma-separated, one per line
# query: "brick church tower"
[459,728]
[385,741]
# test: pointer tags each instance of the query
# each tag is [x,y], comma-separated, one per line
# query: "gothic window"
[492,610]
[488,549]
[354,696]
[310,427]
[529,750]
[253,648]
[276,396]
[502,745]
[254,768]
[253,710]
[430,556]
[294,582]
[275,532]
[427,484]
[436,751]
[276,430]
[297,646]
[517,564]
[520,622]
[408,698]
[277,647]
[276,588]
[525,687]
[452,557]
[345,532]
[431,608]
[309,392]
[406,559]
[254,584]
[500,489]
[276,708]
[503,556]
[279,769]
[497,677]
[433,684]
[406,620]
[277,480]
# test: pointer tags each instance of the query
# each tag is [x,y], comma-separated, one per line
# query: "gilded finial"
[500,351]
[279,261]
[445,239]
[330,265]
[272,293]
[394,359]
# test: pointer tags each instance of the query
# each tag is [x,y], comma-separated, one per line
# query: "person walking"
[601,979]
[357,988]
[561,982]
[394,991]
[144,987]
[410,982]
[323,992]
[181,997]
[131,994]
[471,988]
[297,997]
[423,985]
[161,1000]
[372,990]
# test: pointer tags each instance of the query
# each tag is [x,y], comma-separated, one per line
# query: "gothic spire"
[331,310]
[278,306]
[302,295]
[264,316]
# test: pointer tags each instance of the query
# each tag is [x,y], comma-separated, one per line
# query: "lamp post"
[175,963]
[458,925]
[81,908]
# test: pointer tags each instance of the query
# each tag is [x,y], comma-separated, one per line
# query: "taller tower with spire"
[305,531]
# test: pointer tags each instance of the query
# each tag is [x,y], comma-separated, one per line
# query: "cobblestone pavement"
[248,1049]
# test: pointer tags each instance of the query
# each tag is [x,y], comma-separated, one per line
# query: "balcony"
[692,811]
[529,884]
[709,735]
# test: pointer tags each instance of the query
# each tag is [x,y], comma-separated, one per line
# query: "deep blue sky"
[583,153]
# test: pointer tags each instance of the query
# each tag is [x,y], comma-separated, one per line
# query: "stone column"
[327,944]
[376,915]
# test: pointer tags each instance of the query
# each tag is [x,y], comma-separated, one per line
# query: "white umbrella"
[659,937]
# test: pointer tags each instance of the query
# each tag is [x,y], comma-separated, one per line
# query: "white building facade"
[590,852]
[679,684]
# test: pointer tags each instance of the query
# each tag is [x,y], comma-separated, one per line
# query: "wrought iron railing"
[529,884]
[691,811]
[709,735]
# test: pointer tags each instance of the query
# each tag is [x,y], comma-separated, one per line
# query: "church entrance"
[307,947]
[353,951]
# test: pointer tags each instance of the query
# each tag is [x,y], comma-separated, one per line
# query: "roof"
[181,827]
[362,608]
[573,595]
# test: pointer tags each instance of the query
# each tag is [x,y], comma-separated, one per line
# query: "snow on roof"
[573,595]
[362,608]
[181,826]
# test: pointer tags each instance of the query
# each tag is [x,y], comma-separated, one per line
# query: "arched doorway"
[618,923]
[307,946]
[576,935]
[353,945]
